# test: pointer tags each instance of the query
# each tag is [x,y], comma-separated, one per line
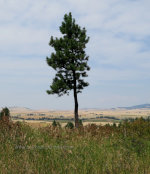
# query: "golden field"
[96,116]
[89,113]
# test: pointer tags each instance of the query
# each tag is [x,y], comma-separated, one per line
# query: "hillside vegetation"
[90,149]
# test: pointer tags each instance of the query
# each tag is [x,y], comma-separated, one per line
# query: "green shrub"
[5,113]
[56,124]
[69,125]
[80,123]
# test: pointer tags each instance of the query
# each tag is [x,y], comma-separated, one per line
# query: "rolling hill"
[142,106]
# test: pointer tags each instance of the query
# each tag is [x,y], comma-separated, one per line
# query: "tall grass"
[90,149]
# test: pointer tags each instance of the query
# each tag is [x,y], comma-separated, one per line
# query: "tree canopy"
[69,59]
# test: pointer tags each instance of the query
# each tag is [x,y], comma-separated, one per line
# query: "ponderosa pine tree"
[69,60]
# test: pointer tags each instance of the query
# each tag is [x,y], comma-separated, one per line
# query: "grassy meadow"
[93,149]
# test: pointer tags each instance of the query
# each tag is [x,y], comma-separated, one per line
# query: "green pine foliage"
[69,59]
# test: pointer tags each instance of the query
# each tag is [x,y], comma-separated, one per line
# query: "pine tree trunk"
[75,102]
[76,109]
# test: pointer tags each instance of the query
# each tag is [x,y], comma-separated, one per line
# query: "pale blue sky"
[119,50]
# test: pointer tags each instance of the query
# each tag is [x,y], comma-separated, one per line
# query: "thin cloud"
[118,49]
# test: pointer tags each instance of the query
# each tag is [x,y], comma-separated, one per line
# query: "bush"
[69,125]
[56,124]
[5,114]
[80,123]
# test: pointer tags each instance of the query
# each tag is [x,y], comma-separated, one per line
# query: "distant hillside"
[142,106]
[19,109]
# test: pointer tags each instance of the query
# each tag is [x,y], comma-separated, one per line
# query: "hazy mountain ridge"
[26,109]
[19,109]
[142,106]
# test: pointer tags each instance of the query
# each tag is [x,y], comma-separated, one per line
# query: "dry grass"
[121,114]
[122,149]
[38,124]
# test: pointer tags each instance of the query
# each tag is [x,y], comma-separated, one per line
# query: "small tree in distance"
[69,61]
[5,114]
